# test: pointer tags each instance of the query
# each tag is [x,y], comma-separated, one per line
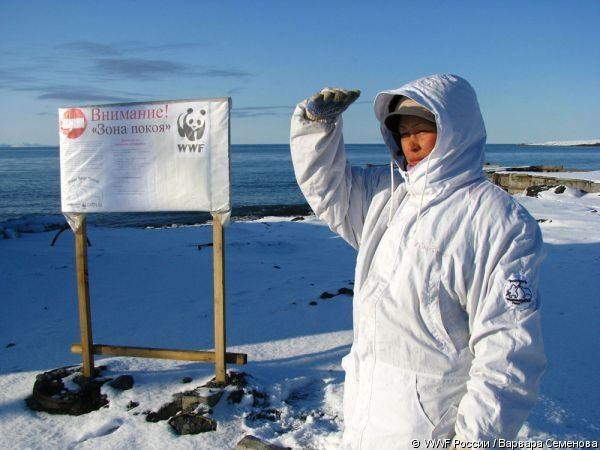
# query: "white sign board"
[158,156]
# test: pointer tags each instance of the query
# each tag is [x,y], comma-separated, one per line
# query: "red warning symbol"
[73,123]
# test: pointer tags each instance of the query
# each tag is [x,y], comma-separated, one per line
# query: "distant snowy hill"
[25,144]
[584,143]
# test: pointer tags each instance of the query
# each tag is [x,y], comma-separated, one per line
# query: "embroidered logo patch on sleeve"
[516,291]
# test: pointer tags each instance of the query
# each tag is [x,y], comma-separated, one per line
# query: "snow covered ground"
[153,288]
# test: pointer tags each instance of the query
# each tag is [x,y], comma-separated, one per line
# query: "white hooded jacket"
[447,335]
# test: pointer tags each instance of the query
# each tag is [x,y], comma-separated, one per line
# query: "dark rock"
[204,395]
[185,380]
[296,219]
[131,405]
[536,168]
[189,423]
[165,412]
[122,383]
[250,442]
[276,267]
[189,402]
[236,396]
[232,377]
[533,191]
[326,295]
[560,189]
[10,344]
[216,384]
[313,303]
[259,398]
[238,379]
[345,291]
[543,220]
[50,394]
[209,396]
[270,414]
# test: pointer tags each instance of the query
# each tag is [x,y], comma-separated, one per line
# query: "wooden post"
[219,291]
[85,320]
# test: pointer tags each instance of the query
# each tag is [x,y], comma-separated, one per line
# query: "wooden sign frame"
[88,349]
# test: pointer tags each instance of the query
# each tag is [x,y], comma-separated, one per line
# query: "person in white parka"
[447,339]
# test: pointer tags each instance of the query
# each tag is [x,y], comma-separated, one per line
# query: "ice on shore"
[153,287]
[591,175]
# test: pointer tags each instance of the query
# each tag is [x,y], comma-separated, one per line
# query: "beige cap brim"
[407,107]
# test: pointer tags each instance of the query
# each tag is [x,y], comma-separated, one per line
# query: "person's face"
[417,138]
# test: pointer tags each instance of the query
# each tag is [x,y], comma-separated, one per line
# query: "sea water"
[262,177]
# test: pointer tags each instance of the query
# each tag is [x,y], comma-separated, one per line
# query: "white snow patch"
[154,288]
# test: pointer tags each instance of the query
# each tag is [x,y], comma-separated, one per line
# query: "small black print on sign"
[517,292]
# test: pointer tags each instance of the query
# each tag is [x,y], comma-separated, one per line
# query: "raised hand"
[329,103]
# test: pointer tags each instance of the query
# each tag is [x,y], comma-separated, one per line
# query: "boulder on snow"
[236,396]
[165,412]
[190,423]
[122,383]
[250,442]
[345,291]
[131,405]
[52,396]
[201,395]
[533,191]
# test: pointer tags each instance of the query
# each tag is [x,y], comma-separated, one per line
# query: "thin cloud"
[152,69]
[94,48]
[74,96]
[90,47]
[136,46]
[258,111]
[14,77]
[224,73]
[100,61]
[80,94]
[139,68]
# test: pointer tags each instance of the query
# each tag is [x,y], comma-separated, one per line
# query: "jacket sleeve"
[339,194]
[504,320]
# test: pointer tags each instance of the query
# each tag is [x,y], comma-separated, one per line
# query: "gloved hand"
[329,103]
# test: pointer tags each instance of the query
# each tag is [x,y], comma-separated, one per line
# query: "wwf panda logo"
[191,124]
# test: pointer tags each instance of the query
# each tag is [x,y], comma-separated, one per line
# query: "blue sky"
[534,64]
